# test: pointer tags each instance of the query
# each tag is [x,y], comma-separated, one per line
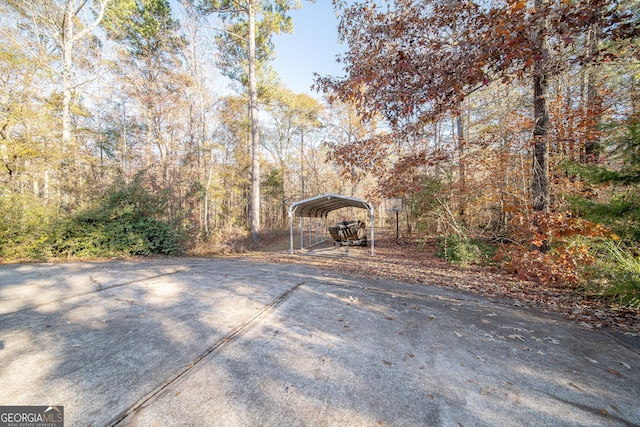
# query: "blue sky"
[312,48]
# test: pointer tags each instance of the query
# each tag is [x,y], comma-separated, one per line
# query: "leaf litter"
[405,263]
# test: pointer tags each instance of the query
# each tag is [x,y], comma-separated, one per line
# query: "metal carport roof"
[320,206]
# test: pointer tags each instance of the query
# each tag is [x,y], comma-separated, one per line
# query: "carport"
[321,206]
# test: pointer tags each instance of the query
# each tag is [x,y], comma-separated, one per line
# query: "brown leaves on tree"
[414,62]
[417,60]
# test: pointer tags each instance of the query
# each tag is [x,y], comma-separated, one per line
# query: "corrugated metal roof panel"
[320,206]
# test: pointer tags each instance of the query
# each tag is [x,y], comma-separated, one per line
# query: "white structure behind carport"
[320,206]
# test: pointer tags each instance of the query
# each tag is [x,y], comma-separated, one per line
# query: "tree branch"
[96,22]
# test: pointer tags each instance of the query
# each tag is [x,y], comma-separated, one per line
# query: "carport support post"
[373,226]
[291,214]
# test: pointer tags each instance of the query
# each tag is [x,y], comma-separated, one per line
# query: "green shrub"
[460,250]
[621,213]
[24,224]
[94,236]
[127,221]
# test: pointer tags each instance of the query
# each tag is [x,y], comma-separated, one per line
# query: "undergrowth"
[464,251]
[614,275]
[127,221]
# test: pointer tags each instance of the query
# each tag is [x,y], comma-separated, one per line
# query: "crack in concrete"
[232,336]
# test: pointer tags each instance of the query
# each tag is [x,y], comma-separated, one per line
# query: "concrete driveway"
[234,342]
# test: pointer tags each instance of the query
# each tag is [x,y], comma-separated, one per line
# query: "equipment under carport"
[349,233]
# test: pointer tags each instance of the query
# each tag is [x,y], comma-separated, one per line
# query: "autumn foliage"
[512,123]
[568,237]
[473,149]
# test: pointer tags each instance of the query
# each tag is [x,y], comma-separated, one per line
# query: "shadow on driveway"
[234,342]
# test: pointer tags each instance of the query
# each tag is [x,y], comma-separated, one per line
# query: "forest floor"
[404,262]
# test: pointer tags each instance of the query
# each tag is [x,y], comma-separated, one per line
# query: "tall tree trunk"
[67,49]
[207,191]
[540,182]
[540,191]
[66,46]
[461,148]
[634,95]
[254,207]
[461,166]
[593,107]
[569,114]
[283,189]
[302,167]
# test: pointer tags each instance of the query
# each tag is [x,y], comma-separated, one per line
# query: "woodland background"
[510,128]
